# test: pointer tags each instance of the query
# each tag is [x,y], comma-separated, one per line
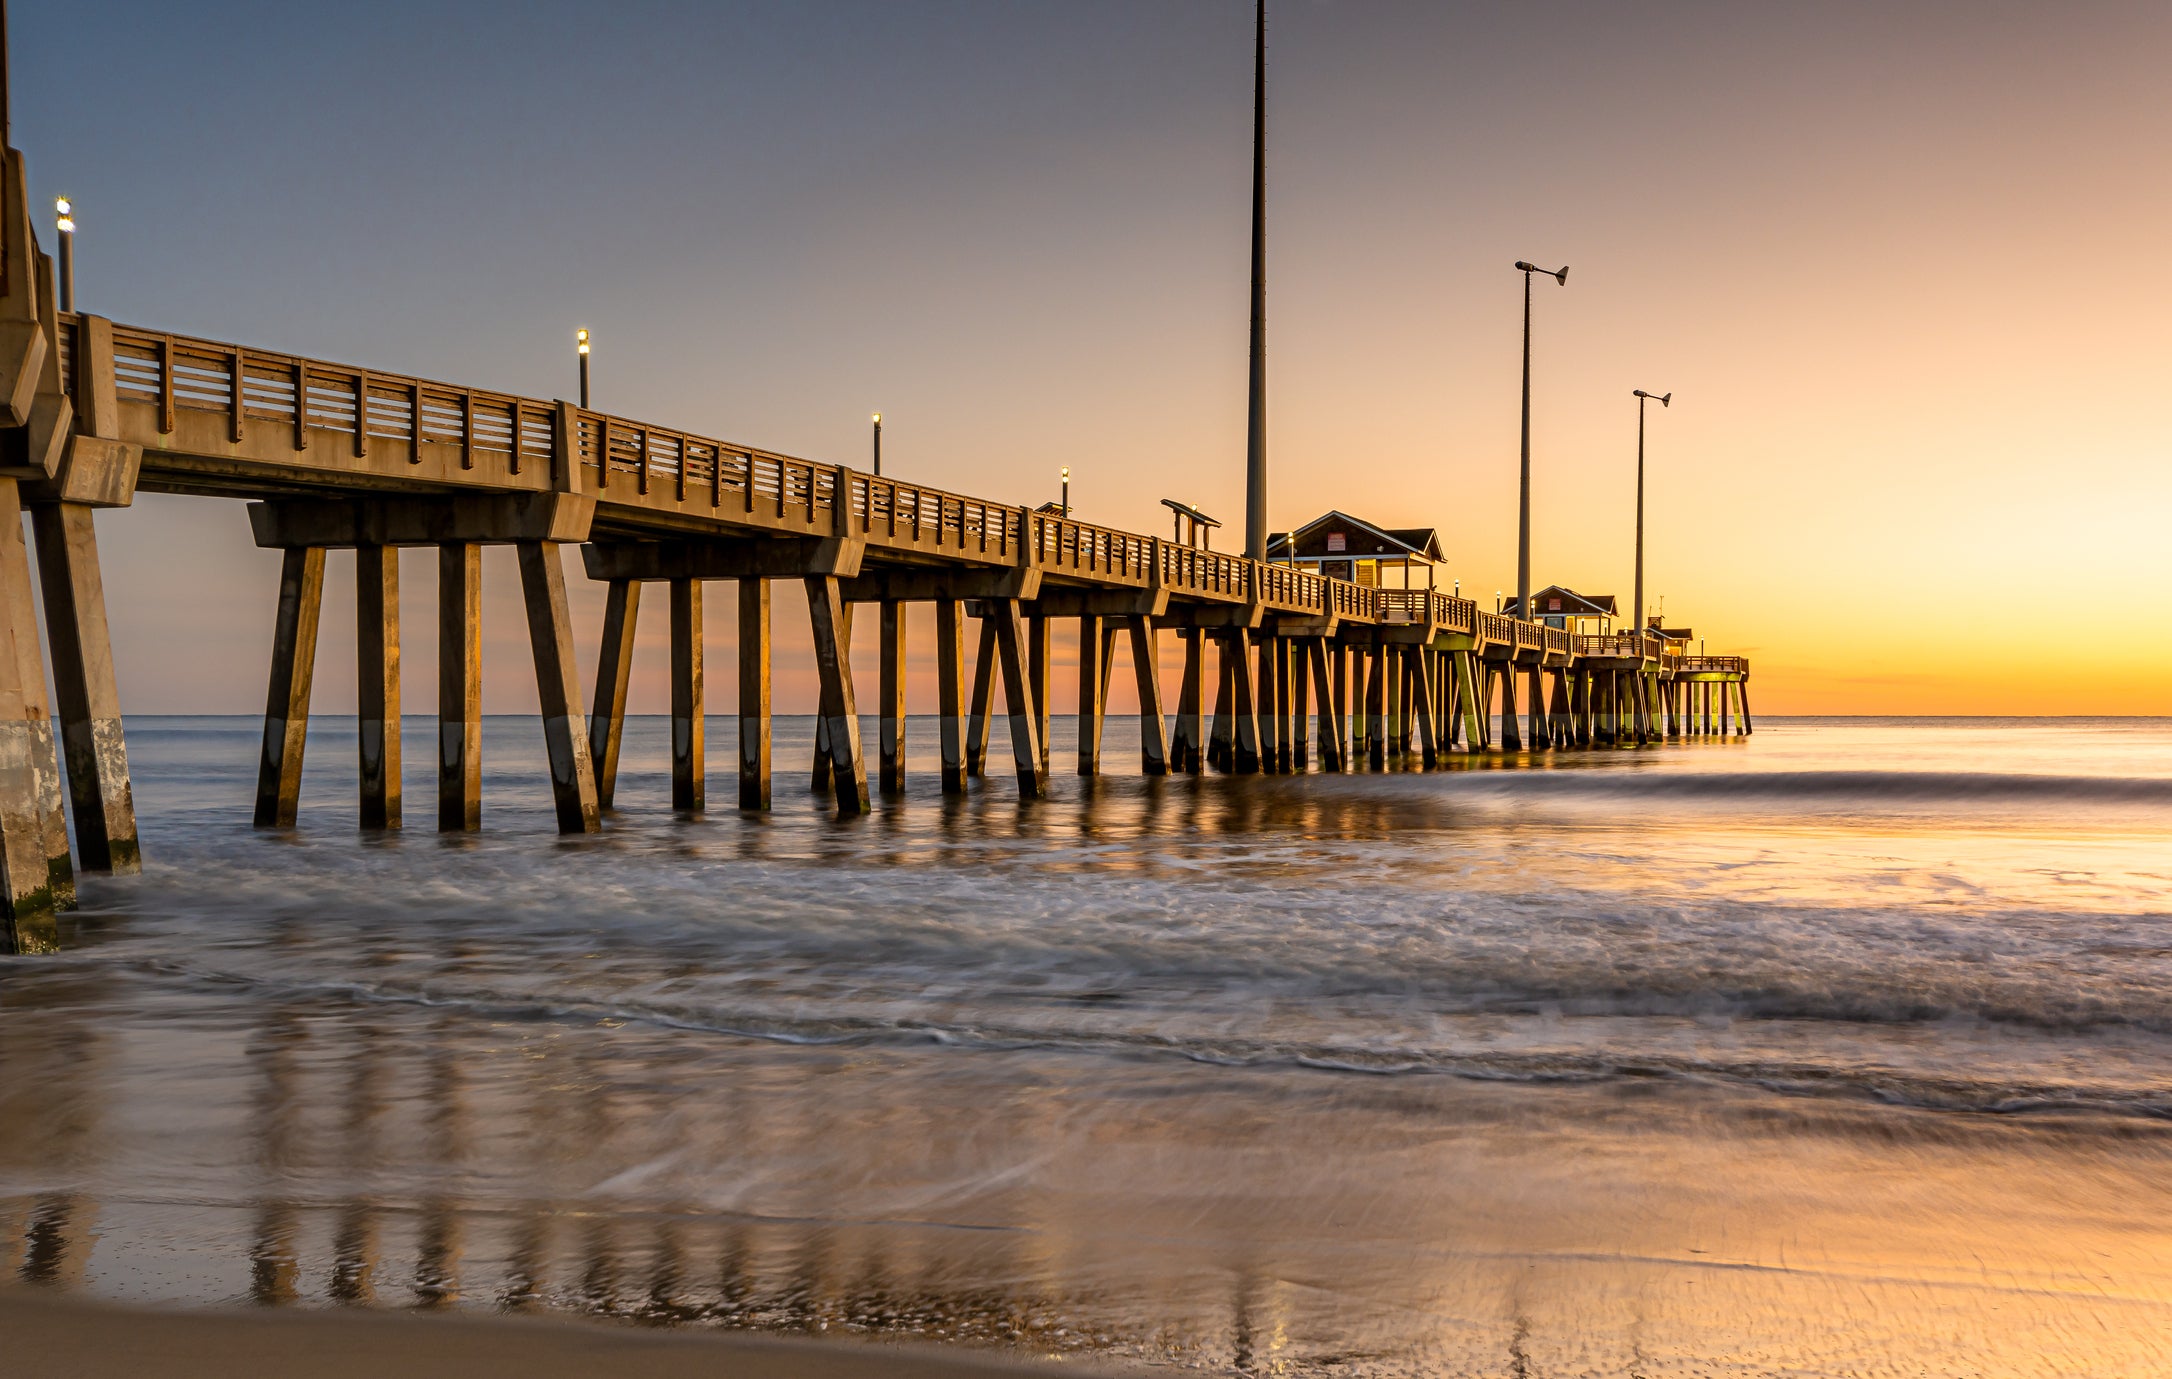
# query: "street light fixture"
[1066,473]
[65,209]
[580,344]
[1523,510]
[878,445]
[1664,400]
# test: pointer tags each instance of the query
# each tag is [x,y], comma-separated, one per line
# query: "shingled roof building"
[1585,614]
[1343,547]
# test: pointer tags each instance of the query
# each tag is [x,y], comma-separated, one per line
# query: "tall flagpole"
[1255,435]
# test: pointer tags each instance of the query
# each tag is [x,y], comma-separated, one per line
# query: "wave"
[1966,1083]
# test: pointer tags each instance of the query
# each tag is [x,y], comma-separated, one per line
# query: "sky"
[1900,265]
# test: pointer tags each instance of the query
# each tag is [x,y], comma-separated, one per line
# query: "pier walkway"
[1280,667]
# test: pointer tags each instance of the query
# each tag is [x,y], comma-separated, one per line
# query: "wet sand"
[51,1335]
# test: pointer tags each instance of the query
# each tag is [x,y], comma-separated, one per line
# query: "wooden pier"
[1302,670]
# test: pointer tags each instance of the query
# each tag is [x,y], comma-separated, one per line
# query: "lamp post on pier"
[878,445]
[1664,400]
[1523,508]
[65,211]
[580,345]
[1066,475]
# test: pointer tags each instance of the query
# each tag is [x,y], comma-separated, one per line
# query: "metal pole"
[1640,522]
[67,263]
[580,340]
[1523,507]
[878,445]
[1067,494]
[1255,436]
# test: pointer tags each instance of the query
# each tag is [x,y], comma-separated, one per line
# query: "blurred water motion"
[1843,1051]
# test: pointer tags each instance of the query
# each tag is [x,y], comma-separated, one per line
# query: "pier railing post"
[377,667]
[614,672]
[459,687]
[754,656]
[550,633]
[689,722]
[293,671]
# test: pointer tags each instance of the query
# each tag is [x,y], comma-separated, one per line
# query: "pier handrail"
[497,437]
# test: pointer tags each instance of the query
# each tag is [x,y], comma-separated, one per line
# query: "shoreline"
[63,1333]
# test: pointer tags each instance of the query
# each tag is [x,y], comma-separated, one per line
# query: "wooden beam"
[1011,649]
[840,711]
[1092,687]
[558,688]
[983,705]
[689,732]
[890,698]
[459,687]
[1038,667]
[86,691]
[614,671]
[776,557]
[1222,728]
[1244,702]
[1186,748]
[293,671]
[1146,670]
[377,664]
[950,691]
[1297,668]
[34,735]
[754,657]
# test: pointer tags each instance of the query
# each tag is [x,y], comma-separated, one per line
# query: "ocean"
[1844,1049]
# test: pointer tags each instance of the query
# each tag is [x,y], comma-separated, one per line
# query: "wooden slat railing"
[499,437]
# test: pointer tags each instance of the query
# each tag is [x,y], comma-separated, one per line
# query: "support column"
[1563,717]
[1540,735]
[1038,657]
[1222,741]
[1511,728]
[558,686]
[890,720]
[1297,662]
[1394,689]
[984,678]
[1146,670]
[689,727]
[85,689]
[1727,728]
[1361,705]
[950,691]
[1324,689]
[830,616]
[1428,730]
[1374,661]
[1186,749]
[614,668]
[1469,703]
[1742,700]
[293,670]
[1244,707]
[1269,712]
[1025,712]
[754,655]
[377,663]
[459,687]
[1091,686]
[34,864]
[1337,659]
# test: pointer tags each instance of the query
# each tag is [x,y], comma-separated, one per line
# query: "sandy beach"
[59,1336]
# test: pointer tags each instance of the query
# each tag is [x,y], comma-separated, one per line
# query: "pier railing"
[481,436]
[1708,664]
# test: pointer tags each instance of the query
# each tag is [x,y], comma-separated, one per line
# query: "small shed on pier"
[1584,614]
[1344,547]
